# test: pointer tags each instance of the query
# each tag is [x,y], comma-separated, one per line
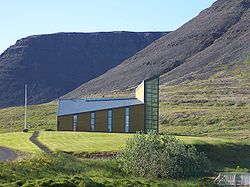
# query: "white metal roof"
[74,106]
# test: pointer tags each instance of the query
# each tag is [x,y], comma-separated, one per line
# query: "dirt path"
[34,140]
[7,154]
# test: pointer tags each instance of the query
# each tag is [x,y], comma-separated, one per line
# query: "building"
[233,179]
[127,115]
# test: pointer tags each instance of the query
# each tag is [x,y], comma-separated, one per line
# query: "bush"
[161,156]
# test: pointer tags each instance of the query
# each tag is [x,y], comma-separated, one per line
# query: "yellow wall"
[101,121]
[136,118]
[83,122]
[118,120]
[139,93]
[65,123]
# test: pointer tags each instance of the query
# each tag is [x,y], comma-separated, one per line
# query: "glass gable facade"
[151,97]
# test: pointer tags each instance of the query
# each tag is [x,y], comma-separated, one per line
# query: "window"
[127,119]
[75,122]
[152,104]
[92,121]
[109,120]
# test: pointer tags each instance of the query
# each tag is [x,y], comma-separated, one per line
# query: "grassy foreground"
[78,142]
[225,154]
[18,141]
[65,170]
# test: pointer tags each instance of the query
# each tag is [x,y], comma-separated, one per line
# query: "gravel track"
[34,140]
[7,154]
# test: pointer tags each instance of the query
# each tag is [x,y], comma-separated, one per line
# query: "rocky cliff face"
[217,39]
[55,64]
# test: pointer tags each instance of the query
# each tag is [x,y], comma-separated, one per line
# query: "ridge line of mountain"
[212,39]
[54,64]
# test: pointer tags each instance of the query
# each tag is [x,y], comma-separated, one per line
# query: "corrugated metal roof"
[74,106]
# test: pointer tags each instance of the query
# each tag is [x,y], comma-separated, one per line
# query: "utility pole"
[25,108]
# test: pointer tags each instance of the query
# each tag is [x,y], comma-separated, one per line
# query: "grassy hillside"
[215,107]
[39,117]
[218,106]
[184,110]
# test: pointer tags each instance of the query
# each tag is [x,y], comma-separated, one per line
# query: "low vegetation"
[162,156]
[190,120]
[215,107]
[65,170]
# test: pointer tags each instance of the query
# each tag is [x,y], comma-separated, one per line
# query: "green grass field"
[78,142]
[83,141]
[18,141]
[99,142]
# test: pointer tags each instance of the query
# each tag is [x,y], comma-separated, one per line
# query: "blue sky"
[21,18]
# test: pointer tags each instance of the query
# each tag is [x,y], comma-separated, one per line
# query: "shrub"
[161,156]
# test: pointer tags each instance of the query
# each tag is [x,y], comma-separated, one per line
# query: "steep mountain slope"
[216,40]
[54,64]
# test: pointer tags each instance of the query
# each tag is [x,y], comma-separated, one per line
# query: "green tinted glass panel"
[152,104]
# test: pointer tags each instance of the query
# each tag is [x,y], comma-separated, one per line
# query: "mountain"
[217,40]
[54,64]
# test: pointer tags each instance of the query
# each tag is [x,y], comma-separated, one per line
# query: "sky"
[22,18]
